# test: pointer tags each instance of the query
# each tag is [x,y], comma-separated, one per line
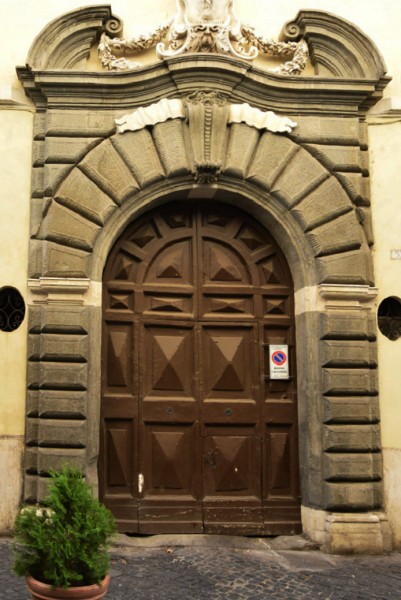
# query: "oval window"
[389,318]
[12,309]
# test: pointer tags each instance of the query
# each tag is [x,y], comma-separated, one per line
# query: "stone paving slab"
[215,568]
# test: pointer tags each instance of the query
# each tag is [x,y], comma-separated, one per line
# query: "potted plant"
[62,546]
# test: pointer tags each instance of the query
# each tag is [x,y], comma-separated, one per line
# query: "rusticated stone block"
[343,326]
[340,235]
[139,152]
[337,382]
[61,261]
[38,154]
[38,208]
[41,460]
[54,175]
[68,228]
[354,533]
[35,258]
[32,403]
[346,353]
[352,496]
[351,438]
[357,186]
[53,347]
[356,409]
[35,488]
[338,158]
[56,433]
[53,375]
[56,319]
[67,150]
[241,146]
[365,218]
[83,196]
[301,175]
[325,130]
[272,155]
[347,267]
[314,210]
[37,182]
[39,124]
[108,170]
[73,123]
[170,144]
[34,318]
[57,404]
[33,375]
[352,467]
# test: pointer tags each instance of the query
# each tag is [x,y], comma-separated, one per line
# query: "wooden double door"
[195,434]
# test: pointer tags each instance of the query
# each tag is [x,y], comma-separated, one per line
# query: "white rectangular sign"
[278,360]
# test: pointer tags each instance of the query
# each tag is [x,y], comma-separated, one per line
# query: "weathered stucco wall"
[385,146]
[15,161]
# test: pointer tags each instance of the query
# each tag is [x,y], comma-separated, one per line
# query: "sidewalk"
[231,568]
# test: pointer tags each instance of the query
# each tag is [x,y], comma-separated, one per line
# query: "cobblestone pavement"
[217,568]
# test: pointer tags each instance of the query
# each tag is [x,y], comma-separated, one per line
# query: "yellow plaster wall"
[385,153]
[15,161]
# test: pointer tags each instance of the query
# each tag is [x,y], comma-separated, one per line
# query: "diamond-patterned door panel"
[195,435]
[169,465]
[227,367]
[229,465]
[118,349]
[169,361]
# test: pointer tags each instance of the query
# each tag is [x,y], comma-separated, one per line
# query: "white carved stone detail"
[150,115]
[174,109]
[244,113]
[298,50]
[206,26]
[203,26]
[141,43]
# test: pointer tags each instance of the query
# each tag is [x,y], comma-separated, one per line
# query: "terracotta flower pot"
[44,591]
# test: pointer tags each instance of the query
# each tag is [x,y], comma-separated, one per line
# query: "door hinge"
[141,481]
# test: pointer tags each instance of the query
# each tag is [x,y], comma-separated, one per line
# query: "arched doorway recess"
[196,434]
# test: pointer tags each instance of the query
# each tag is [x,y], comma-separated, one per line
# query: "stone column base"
[347,533]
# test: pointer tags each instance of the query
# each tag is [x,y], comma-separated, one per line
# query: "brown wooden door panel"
[170,498]
[168,360]
[119,481]
[232,481]
[118,350]
[227,368]
[196,436]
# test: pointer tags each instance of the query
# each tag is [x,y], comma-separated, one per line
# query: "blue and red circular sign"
[279,357]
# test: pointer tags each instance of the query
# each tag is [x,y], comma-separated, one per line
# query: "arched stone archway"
[124,166]
[308,187]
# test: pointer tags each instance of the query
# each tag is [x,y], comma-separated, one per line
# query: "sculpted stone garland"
[201,26]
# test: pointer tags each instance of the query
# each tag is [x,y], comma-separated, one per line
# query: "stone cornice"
[180,76]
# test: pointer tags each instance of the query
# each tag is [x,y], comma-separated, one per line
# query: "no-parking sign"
[278,359]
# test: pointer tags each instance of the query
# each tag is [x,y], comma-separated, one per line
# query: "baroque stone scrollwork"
[109,44]
[203,26]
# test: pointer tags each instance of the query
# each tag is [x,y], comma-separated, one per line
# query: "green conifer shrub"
[65,542]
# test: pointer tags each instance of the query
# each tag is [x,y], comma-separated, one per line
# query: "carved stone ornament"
[151,115]
[207,114]
[174,109]
[202,26]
